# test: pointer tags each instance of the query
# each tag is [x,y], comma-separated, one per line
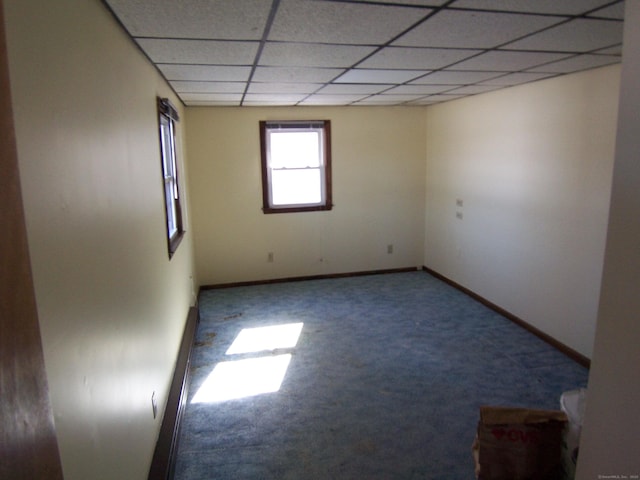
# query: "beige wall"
[111,305]
[378,192]
[611,434]
[532,165]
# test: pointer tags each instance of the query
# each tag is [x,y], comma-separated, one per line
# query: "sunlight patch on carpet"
[260,339]
[248,377]
[243,378]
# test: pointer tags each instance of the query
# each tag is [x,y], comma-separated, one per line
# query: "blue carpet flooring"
[385,381]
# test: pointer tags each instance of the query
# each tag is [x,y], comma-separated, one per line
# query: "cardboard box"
[519,444]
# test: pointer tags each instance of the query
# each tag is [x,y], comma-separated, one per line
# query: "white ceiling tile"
[378,76]
[212,73]
[474,89]
[296,74]
[337,99]
[211,97]
[312,55]
[436,99]
[419,89]
[346,23]
[306,88]
[204,52]
[463,29]
[416,58]
[208,87]
[325,51]
[617,50]
[516,79]
[357,88]
[562,7]
[215,19]
[397,98]
[449,77]
[426,3]
[277,97]
[268,103]
[577,63]
[424,102]
[212,103]
[580,35]
[376,102]
[501,61]
[613,11]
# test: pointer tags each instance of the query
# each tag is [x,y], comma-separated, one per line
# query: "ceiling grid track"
[366,52]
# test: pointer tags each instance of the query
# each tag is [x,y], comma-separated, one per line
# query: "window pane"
[293,187]
[172,228]
[296,165]
[167,116]
[165,134]
[167,167]
[294,149]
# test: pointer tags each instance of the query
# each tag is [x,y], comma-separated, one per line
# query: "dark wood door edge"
[28,444]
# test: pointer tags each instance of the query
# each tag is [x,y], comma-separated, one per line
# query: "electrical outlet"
[154,404]
[459,215]
[390,248]
[270,257]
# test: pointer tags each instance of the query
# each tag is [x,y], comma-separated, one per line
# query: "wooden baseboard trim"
[568,351]
[164,457]
[311,277]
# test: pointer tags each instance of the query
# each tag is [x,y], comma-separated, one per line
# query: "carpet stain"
[365,447]
[232,316]
[356,363]
[208,340]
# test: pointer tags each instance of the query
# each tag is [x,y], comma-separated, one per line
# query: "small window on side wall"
[296,166]
[167,118]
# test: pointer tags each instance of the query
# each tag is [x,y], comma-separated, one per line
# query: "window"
[167,116]
[296,166]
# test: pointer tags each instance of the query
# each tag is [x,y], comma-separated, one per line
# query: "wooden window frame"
[267,207]
[170,177]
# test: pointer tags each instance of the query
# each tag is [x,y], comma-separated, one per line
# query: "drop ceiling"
[373,52]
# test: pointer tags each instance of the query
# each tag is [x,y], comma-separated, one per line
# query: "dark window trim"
[328,203]
[167,110]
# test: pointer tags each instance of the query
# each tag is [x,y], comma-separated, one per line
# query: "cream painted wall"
[111,305]
[532,165]
[610,442]
[378,191]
